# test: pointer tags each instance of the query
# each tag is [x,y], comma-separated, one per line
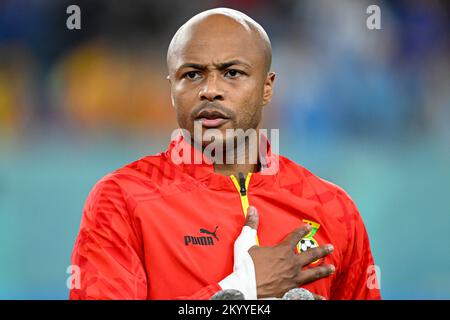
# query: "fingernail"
[251,211]
[332,269]
[330,248]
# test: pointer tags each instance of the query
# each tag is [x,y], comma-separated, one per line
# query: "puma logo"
[210,233]
[203,240]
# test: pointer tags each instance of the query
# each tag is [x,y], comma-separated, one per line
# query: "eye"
[192,75]
[233,73]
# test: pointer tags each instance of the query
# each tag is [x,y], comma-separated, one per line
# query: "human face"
[218,77]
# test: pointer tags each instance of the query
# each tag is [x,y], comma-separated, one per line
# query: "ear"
[268,88]
[173,101]
[171,94]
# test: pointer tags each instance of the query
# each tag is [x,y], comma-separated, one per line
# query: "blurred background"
[366,109]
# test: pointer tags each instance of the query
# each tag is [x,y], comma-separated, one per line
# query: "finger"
[252,219]
[313,274]
[314,254]
[295,236]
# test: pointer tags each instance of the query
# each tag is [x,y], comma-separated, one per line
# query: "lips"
[211,118]
[212,123]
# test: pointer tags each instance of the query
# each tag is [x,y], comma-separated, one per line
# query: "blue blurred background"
[366,109]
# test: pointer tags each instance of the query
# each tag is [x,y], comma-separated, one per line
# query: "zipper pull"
[243,190]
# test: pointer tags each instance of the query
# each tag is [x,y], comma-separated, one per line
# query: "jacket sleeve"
[107,252]
[358,279]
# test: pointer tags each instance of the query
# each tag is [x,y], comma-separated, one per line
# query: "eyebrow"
[220,66]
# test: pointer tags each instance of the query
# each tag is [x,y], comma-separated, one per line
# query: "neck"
[239,160]
[229,169]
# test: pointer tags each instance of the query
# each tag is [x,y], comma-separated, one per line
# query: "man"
[169,227]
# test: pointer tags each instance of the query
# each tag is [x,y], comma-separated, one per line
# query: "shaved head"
[234,22]
[218,63]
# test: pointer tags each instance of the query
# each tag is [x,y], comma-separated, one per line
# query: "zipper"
[241,186]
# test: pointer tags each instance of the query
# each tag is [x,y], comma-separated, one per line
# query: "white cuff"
[243,277]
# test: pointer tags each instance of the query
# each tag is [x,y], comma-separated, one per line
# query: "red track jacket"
[159,229]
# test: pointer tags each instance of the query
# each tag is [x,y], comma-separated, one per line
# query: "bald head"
[219,63]
[211,26]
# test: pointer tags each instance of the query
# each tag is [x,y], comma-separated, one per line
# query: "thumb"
[252,219]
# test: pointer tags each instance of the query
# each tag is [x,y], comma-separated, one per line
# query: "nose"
[211,90]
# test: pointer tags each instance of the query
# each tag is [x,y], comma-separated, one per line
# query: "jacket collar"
[193,162]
